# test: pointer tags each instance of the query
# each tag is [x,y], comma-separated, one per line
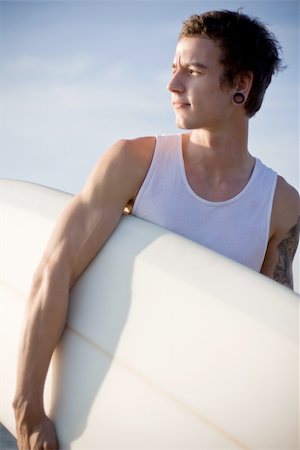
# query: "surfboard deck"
[168,345]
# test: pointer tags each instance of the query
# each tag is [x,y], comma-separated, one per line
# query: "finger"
[50,446]
[37,446]
[36,443]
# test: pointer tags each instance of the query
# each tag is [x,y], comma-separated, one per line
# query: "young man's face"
[197,97]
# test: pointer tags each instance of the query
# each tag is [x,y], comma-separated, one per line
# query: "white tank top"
[237,228]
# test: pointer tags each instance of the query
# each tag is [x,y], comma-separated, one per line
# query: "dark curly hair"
[247,46]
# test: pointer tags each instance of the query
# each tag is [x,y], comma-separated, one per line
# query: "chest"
[214,189]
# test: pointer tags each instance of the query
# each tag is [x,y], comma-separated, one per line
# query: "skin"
[218,166]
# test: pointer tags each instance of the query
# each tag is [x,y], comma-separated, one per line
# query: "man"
[204,185]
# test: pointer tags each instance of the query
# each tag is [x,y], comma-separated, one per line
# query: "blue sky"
[78,75]
[75,76]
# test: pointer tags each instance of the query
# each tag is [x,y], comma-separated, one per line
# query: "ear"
[243,83]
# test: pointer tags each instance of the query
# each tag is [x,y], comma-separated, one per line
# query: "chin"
[181,124]
[187,123]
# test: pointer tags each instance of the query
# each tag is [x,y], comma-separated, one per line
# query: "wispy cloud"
[57,67]
[101,97]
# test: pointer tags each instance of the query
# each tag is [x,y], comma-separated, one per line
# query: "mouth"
[180,105]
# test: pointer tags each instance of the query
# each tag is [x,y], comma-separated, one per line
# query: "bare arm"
[80,233]
[285,236]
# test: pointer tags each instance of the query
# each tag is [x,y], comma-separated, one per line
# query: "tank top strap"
[162,171]
[166,151]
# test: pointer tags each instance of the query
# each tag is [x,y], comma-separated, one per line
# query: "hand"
[38,436]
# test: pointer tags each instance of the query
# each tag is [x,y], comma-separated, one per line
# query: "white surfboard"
[168,345]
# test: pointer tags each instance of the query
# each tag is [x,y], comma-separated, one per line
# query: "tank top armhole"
[147,178]
[270,209]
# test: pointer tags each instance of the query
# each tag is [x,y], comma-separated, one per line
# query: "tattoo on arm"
[287,249]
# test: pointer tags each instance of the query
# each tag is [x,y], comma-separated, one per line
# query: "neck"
[220,150]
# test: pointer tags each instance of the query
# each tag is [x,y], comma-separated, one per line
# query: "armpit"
[128,208]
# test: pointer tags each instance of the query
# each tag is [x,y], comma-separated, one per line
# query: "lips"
[180,104]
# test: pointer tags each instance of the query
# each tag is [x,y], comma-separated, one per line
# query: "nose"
[176,83]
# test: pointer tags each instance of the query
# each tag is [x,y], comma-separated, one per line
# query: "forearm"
[44,323]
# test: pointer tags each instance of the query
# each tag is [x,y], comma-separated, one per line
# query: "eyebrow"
[191,63]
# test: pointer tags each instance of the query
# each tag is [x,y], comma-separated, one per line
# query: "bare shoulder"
[122,168]
[140,146]
[284,234]
[286,207]
[132,156]
[138,154]
[285,191]
[139,150]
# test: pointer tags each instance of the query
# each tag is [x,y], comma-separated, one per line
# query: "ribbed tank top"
[237,228]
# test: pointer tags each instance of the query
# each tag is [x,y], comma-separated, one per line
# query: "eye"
[194,72]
